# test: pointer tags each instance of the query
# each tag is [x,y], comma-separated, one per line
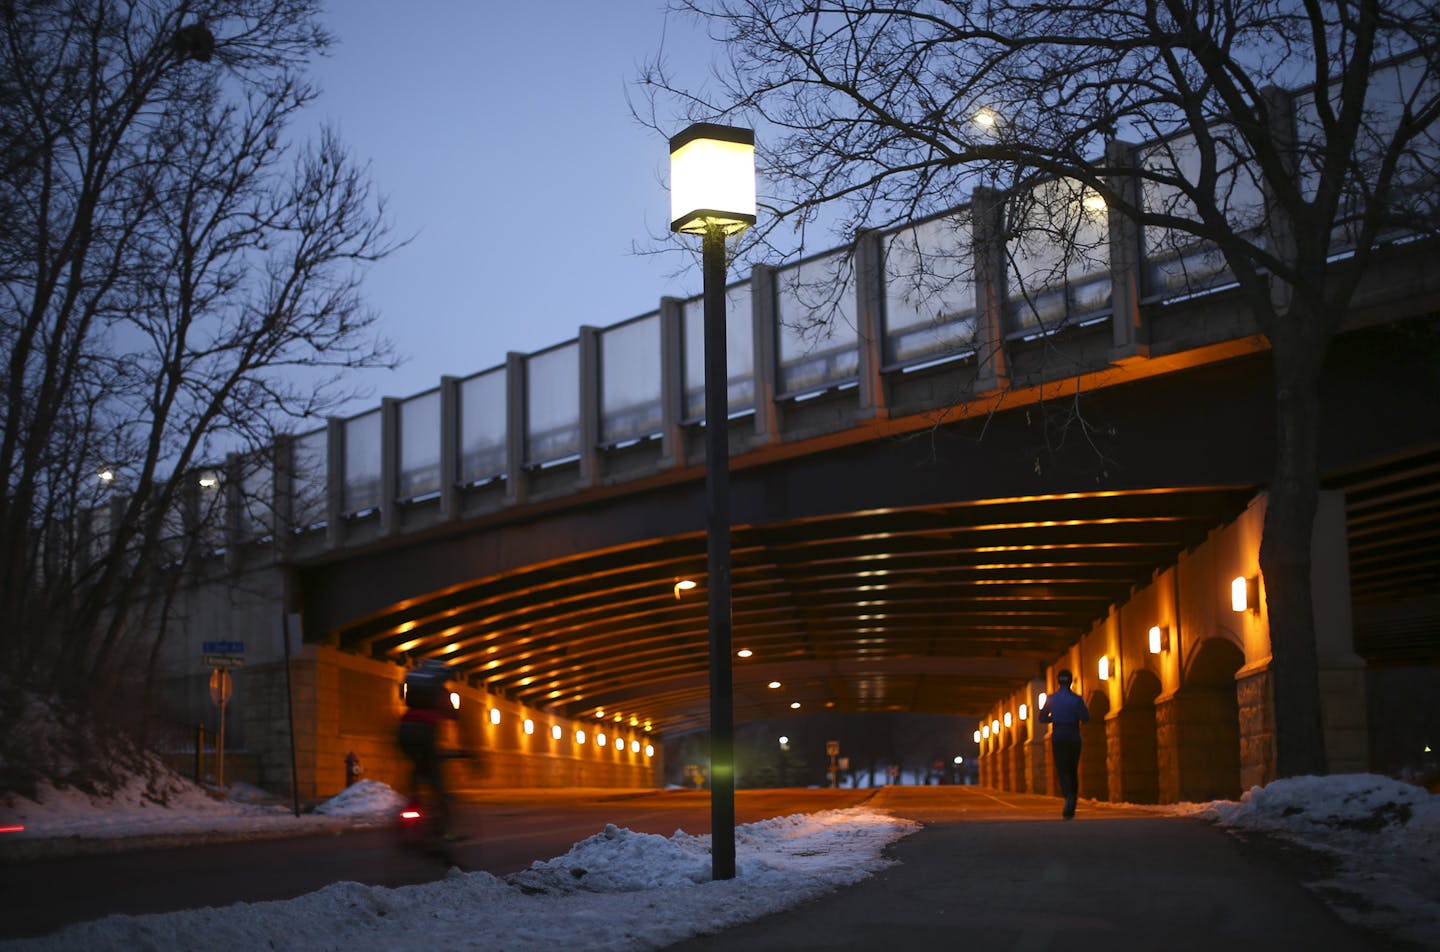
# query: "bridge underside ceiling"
[937,609]
[876,578]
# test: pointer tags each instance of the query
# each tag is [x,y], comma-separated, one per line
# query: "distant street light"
[712,194]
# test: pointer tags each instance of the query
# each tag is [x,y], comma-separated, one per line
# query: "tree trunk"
[1285,557]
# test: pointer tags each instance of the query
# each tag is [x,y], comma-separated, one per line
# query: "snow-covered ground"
[620,890]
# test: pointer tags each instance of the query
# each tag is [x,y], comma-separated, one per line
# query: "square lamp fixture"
[712,179]
[1159,639]
[1244,594]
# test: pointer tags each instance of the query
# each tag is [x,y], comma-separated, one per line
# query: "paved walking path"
[998,871]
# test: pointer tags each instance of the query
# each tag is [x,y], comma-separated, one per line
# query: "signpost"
[221,687]
[223,654]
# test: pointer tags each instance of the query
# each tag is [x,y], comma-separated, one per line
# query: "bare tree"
[1284,143]
[180,281]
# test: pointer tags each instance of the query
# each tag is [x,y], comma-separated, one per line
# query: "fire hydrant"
[353,770]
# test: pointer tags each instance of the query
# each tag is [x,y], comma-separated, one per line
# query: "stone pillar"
[390,465]
[449,448]
[516,487]
[1130,748]
[870,324]
[1019,772]
[992,368]
[334,482]
[1094,781]
[590,407]
[1037,765]
[1254,693]
[1203,733]
[1131,334]
[672,382]
[1167,759]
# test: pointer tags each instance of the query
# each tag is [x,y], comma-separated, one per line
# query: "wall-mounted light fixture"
[1103,668]
[1009,719]
[649,750]
[985,732]
[494,715]
[1159,638]
[1040,701]
[1024,712]
[600,739]
[977,737]
[995,725]
[557,732]
[529,726]
[580,737]
[455,700]
[1245,593]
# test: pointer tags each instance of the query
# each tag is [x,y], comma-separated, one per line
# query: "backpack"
[425,690]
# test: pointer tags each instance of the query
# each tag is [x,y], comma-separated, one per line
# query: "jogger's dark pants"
[1067,768]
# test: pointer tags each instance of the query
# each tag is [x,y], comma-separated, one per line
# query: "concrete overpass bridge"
[938,500]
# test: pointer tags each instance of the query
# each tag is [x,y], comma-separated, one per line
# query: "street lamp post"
[712,194]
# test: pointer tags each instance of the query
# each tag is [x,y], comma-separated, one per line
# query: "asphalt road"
[506,832]
[988,870]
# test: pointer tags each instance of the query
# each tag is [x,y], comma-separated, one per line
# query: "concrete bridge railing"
[960,303]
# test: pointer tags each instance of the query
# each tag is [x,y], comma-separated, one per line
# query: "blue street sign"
[223,647]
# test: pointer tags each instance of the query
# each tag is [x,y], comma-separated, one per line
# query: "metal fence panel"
[818,340]
[482,426]
[739,352]
[310,480]
[929,275]
[420,446]
[363,457]
[630,379]
[552,402]
[1057,257]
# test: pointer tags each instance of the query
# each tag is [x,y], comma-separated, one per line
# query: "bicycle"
[425,823]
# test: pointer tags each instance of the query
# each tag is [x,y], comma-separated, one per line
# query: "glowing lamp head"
[1244,594]
[712,179]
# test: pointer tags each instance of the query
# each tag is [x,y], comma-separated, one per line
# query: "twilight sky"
[501,135]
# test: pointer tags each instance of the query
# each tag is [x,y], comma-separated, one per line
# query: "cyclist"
[428,707]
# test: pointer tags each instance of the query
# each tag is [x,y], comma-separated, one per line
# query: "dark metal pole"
[717,508]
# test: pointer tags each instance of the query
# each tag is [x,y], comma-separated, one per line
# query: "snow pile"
[367,798]
[1379,837]
[1364,803]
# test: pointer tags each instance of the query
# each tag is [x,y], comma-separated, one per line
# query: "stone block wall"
[1130,747]
[1207,744]
[1254,696]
